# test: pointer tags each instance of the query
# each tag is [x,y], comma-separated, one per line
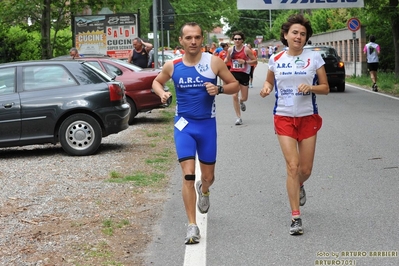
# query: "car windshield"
[106,76]
[127,65]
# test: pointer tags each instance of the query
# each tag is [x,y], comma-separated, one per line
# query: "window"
[95,64]
[46,76]
[112,70]
[7,80]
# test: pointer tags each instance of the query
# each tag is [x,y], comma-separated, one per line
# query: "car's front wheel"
[80,135]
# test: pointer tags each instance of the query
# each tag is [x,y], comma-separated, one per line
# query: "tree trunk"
[45,31]
[395,32]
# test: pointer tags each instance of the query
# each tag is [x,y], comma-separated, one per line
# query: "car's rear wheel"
[341,87]
[133,110]
[80,135]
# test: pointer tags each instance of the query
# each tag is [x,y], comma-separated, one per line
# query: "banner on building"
[297,4]
[110,34]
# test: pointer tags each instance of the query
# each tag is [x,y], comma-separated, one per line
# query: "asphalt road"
[351,214]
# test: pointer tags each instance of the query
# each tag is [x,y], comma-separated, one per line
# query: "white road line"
[195,255]
[363,89]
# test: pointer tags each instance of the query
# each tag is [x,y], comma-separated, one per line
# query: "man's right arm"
[161,79]
[147,46]
[129,59]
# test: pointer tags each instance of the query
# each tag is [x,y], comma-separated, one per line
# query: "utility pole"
[155,29]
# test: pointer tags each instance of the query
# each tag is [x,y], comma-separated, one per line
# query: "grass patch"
[109,226]
[100,252]
[115,174]
[155,161]
[168,115]
[387,82]
[140,179]
[159,155]
[153,134]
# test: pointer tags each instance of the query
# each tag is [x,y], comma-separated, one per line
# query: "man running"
[194,76]
[241,58]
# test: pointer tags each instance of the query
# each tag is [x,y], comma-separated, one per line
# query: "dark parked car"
[137,81]
[70,102]
[334,66]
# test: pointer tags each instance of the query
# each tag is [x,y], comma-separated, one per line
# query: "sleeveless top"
[140,58]
[371,50]
[235,66]
[192,99]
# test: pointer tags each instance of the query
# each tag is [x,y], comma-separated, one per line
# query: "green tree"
[251,22]
[324,20]
[47,16]
[17,44]
[215,39]
[207,13]
[281,17]
[37,15]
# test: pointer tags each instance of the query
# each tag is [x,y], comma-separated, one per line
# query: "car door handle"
[8,105]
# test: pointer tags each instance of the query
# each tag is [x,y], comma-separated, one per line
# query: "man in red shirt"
[241,58]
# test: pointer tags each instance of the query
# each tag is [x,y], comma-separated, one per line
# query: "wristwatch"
[220,89]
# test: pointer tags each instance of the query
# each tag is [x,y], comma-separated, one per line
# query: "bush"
[19,45]
[63,42]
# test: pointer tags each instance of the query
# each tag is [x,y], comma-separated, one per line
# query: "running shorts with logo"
[198,136]
[298,128]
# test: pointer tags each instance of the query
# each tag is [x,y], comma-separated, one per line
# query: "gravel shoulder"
[61,210]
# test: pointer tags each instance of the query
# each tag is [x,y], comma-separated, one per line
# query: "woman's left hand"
[304,88]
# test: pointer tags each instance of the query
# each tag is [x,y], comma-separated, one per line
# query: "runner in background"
[263,53]
[372,50]
[253,65]
[222,55]
[240,57]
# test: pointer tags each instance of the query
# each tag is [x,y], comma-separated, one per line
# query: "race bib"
[181,123]
[288,95]
[237,65]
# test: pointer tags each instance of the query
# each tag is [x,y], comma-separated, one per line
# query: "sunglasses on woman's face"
[237,39]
